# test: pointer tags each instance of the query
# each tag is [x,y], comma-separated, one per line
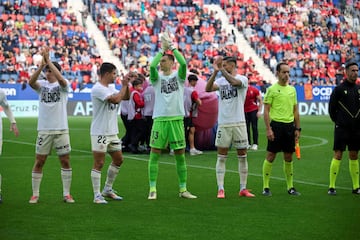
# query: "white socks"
[220,170]
[66,176]
[111,175]
[95,179]
[243,171]
[35,181]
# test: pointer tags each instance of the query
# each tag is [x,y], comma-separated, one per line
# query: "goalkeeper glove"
[164,42]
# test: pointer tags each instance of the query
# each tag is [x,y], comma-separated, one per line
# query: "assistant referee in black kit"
[344,111]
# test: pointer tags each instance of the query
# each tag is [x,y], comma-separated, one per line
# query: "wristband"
[172,47]
[298,129]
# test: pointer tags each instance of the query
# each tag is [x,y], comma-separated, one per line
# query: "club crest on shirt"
[169,86]
[112,106]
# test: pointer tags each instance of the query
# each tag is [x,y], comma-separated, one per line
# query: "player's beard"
[284,80]
[352,80]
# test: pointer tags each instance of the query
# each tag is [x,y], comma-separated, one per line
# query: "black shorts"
[346,137]
[284,137]
[188,123]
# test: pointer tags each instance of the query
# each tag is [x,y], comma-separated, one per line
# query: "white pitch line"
[134,157]
[323,141]
[251,174]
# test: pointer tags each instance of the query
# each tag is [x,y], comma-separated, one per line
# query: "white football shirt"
[52,106]
[169,96]
[104,118]
[3,103]
[231,100]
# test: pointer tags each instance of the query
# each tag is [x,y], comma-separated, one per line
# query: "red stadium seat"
[4,17]
[354,35]
[20,17]
[355,42]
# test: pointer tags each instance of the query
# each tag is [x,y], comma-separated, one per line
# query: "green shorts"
[166,132]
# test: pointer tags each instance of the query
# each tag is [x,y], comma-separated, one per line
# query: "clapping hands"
[165,39]
[166,42]
[45,55]
[129,77]
[217,64]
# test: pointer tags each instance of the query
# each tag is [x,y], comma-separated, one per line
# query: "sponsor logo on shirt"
[50,95]
[228,92]
[169,86]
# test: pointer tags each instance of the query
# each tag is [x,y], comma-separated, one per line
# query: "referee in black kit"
[344,111]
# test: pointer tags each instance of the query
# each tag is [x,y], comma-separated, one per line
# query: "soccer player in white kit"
[7,110]
[231,130]
[104,129]
[53,129]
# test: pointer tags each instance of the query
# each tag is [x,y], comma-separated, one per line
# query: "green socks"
[334,170]
[153,169]
[354,172]
[289,176]
[181,171]
[267,167]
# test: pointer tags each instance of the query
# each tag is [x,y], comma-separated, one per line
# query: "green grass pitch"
[313,215]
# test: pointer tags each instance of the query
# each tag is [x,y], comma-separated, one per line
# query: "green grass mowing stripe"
[134,157]
[314,215]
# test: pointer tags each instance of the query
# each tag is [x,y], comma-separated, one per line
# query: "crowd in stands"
[133,27]
[26,26]
[313,36]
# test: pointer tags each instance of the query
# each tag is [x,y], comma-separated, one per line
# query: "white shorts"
[59,141]
[232,135]
[102,143]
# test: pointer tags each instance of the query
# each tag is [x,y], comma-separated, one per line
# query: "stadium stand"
[315,38]
[27,27]
[312,35]
[132,29]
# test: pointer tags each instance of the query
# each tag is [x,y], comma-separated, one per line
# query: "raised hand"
[130,77]
[165,40]
[45,53]
[43,61]
[125,81]
[217,64]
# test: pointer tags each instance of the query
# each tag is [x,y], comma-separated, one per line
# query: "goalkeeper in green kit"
[168,115]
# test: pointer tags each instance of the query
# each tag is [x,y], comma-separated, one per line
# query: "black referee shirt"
[344,105]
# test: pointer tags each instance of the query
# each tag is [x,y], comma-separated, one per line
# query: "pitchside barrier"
[313,100]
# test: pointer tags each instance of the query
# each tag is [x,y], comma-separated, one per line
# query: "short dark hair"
[194,71]
[230,59]
[137,82]
[170,56]
[192,77]
[56,65]
[106,67]
[278,67]
[141,77]
[350,63]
